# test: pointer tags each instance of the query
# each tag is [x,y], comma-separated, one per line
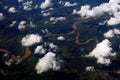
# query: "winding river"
[27,52]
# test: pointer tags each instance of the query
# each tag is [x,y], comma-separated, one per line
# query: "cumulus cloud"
[113,21]
[22,25]
[45,31]
[61,38]
[2,16]
[52,46]
[46,14]
[111,33]
[46,44]
[102,51]
[61,2]
[31,24]
[31,39]
[6,7]
[20,0]
[39,50]
[45,4]
[74,11]
[116,31]
[55,19]
[12,10]
[112,8]
[90,68]
[103,23]
[27,5]
[68,4]
[9,62]
[13,23]
[47,10]
[49,61]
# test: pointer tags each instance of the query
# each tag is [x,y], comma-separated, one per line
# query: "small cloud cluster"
[47,10]
[12,10]
[68,4]
[112,8]
[49,61]
[6,7]
[20,0]
[52,46]
[61,2]
[111,33]
[45,4]
[61,38]
[102,51]
[22,25]
[117,31]
[55,19]
[103,23]
[49,47]
[27,5]
[114,20]
[31,24]
[13,23]
[9,62]
[31,39]
[40,50]
[46,14]
[45,31]
[90,68]
[2,16]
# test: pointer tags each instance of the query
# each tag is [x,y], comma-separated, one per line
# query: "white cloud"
[46,14]
[112,8]
[68,4]
[45,31]
[117,31]
[31,24]
[45,4]
[49,61]
[55,19]
[36,6]
[27,5]
[103,23]
[20,0]
[39,50]
[13,23]
[102,51]
[31,39]
[90,68]
[74,11]
[61,2]
[52,46]
[6,7]
[2,16]
[113,21]
[9,62]
[109,34]
[46,44]
[60,38]
[12,10]
[47,10]
[22,25]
